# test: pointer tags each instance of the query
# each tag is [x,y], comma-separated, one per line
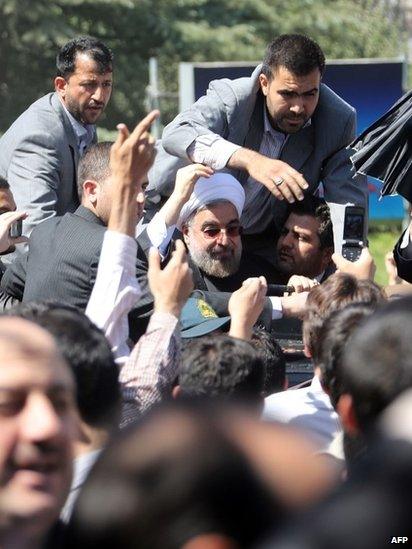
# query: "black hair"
[377,361]
[4,184]
[94,48]
[172,476]
[223,367]
[333,336]
[299,54]
[94,165]
[269,350]
[87,352]
[316,207]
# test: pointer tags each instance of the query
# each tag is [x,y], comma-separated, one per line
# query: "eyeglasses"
[213,232]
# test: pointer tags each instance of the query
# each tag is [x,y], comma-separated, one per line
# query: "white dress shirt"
[309,409]
[116,291]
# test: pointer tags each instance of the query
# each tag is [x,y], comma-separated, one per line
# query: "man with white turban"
[206,208]
[207,212]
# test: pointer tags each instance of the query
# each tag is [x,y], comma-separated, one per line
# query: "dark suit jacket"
[62,260]
[403,259]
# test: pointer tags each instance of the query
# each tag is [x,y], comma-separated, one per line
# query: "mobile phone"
[353,232]
[16,229]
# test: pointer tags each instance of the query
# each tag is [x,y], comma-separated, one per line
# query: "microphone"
[279,290]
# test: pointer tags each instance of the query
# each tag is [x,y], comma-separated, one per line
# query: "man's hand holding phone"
[10,231]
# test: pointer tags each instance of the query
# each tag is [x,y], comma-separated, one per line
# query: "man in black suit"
[402,254]
[64,252]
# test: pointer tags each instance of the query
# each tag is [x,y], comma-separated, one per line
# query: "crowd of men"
[144,396]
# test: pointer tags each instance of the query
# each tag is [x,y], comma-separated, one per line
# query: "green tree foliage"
[31,31]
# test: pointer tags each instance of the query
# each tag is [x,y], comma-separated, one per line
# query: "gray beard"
[220,268]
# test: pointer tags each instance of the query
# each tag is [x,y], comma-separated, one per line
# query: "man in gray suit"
[280,132]
[39,153]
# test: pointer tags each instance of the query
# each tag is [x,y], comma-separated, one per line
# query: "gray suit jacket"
[234,110]
[38,157]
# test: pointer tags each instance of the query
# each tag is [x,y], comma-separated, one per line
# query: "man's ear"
[264,83]
[91,190]
[176,392]
[185,231]
[347,415]
[60,85]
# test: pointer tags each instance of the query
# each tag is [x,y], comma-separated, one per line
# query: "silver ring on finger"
[278,180]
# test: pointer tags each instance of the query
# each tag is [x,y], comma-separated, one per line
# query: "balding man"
[37,414]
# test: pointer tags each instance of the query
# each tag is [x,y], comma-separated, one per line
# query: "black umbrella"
[384,150]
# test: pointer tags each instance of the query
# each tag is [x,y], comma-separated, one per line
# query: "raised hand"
[6,221]
[363,268]
[171,286]
[131,156]
[245,306]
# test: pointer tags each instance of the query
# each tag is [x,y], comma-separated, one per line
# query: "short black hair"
[223,367]
[94,165]
[298,53]
[170,477]
[87,352]
[377,362]
[94,48]
[333,336]
[318,208]
[268,348]
[4,184]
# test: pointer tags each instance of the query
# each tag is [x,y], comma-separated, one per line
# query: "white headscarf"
[220,186]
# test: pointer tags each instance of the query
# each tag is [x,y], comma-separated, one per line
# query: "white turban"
[219,186]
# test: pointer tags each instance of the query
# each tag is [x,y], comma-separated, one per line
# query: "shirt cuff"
[162,320]
[159,234]
[212,150]
[277,310]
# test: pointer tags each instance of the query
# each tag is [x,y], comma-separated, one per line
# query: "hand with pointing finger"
[131,156]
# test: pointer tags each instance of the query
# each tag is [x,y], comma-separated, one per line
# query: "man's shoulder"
[82,220]
[240,88]
[285,405]
[332,106]
[44,117]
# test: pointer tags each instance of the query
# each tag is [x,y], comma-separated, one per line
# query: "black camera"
[353,232]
